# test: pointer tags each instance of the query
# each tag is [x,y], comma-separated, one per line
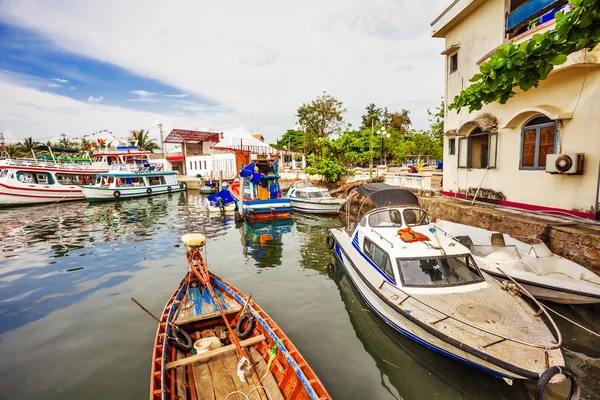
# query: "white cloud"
[60,80]
[182,95]
[142,93]
[268,57]
[93,99]
[54,85]
[72,88]
[143,99]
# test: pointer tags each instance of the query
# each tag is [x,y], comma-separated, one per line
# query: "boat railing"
[136,168]
[501,337]
[49,164]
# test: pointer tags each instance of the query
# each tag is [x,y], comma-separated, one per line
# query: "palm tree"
[12,150]
[144,143]
[28,145]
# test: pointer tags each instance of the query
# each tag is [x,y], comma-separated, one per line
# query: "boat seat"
[194,240]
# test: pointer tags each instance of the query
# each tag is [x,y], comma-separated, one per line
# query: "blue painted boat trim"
[163,365]
[268,201]
[311,392]
[408,334]
[268,211]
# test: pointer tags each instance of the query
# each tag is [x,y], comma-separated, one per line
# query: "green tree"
[328,166]
[524,65]
[13,150]
[291,139]
[352,146]
[436,122]
[28,145]
[321,118]
[144,143]
[372,116]
[400,121]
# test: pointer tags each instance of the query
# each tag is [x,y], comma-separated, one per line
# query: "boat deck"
[201,306]
[217,378]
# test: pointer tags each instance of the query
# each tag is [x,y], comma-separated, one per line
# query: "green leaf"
[558,59]
[485,67]
[538,38]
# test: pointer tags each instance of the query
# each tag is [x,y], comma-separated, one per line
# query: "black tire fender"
[149,191]
[239,328]
[330,242]
[169,189]
[180,339]
[182,185]
[116,194]
[549,374]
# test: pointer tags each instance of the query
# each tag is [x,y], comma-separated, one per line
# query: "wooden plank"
[203,382]
[180,376]
[221,377]
[231,360]
[215,352]
[201,317]
[269,381]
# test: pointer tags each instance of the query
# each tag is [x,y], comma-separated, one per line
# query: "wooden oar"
[145,309]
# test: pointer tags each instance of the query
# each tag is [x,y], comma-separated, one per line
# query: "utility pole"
[162,143]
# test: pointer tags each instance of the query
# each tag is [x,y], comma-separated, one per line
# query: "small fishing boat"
[307,198]
[125,181]
[209,188]
[429,288]
[239,352]
[221,202]
[530,262]
[261,192]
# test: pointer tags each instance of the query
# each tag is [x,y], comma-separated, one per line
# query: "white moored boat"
[428,287]
[125,181]
[307,198]
[530,262]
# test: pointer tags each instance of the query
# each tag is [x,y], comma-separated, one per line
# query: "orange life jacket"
[409,236]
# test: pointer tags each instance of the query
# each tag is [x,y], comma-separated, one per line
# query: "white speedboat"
[125,181]
[428,287]
[530,262]
[307,198]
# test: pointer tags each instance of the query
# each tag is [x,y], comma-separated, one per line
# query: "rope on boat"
[247,396]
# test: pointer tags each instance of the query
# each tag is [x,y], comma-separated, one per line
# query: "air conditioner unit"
[571,163]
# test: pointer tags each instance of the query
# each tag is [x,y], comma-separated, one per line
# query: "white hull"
[229,208]
[383,302]
[15,198]
[104,194]
[545,275]
[325,206]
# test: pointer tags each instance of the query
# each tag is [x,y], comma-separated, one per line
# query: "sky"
[76,68]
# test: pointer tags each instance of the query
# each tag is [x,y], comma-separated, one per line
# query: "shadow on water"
[56,255]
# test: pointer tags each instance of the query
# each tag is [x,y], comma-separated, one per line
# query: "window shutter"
[493,150]
[463,152]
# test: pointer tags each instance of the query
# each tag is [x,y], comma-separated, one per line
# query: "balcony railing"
[528,10]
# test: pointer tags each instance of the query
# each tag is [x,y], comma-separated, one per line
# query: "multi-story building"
[540,150]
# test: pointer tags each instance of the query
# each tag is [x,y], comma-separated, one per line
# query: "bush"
[328,167]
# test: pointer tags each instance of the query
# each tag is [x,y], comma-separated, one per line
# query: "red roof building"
[193,143]
[187,136]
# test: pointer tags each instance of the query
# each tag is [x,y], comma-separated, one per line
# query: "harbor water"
[68,329]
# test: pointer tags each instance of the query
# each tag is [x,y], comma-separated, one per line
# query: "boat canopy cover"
[386,195]
[224,195]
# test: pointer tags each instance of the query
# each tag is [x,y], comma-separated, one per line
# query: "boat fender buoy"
[180,339]
[169,189]
[182,185]
[549,374]
[329,242]
[239,328]
[149,191]
[117,194]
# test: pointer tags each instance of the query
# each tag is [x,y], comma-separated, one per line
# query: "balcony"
[531,13]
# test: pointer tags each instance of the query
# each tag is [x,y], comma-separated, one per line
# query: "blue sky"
[78,67]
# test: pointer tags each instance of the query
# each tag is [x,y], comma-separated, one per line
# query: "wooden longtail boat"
[205,306]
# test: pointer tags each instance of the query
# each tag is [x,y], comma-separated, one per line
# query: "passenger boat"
[125,181]
[262,195]
[307,198]
[530,262]
[34,181]
[240,352]
[429,288]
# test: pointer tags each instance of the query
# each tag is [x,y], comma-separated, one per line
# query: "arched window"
[538,138]
[478,150]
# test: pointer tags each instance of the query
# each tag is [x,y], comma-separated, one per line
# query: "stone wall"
[579,243]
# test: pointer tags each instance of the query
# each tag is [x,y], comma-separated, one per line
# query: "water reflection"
[263,241]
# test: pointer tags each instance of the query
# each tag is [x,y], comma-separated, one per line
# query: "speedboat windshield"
[439,271]
[386,218]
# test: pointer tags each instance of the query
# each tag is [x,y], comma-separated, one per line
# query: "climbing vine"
[524,65]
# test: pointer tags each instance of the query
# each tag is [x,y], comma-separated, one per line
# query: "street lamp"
[383,134]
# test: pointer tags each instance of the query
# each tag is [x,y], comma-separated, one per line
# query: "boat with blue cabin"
[125,181]
[429,288]
[262,198]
